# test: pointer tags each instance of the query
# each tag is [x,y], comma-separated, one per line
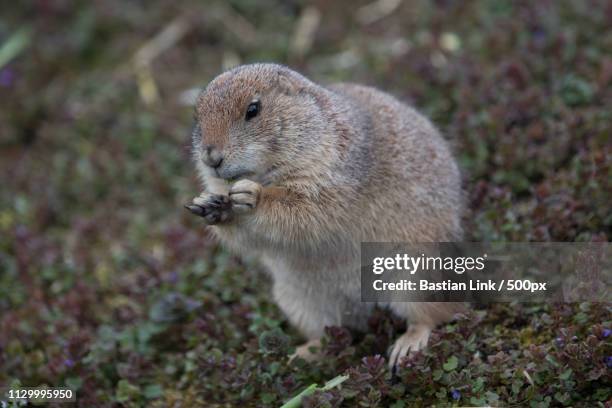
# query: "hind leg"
[422,319]
[309,312]
[414,339]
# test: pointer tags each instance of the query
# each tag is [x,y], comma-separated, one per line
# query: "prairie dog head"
[258,121]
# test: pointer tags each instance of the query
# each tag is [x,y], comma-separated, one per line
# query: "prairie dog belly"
[330,286]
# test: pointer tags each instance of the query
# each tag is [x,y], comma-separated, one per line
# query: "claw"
[195,209]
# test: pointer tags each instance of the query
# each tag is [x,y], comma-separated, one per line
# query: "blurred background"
[108,286]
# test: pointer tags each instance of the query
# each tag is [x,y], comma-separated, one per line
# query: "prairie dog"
[318,170]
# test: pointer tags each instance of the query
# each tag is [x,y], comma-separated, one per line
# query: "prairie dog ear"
[287,84]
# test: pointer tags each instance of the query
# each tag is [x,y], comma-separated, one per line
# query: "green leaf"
[601,394]
[451,363]
[576,91]
[563,398]
[74,383]
[153,391]
[552,360]
[566,374]
[14,45]
[268,398]
[126,391]
[478,401]
[274,341]
[478,385]
[492,397]
[334,382]
[296,401]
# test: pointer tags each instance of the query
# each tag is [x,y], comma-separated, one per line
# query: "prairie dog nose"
[212,156]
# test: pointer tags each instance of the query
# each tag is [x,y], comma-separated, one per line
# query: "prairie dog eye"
[252,110]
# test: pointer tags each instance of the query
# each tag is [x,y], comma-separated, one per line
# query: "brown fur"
[322,170]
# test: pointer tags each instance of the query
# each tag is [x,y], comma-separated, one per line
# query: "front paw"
[214,208]
[244,195]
